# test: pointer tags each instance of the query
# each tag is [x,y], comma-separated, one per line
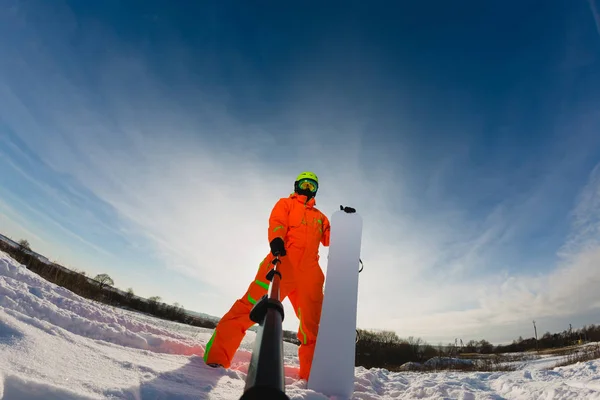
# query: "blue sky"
[150,140]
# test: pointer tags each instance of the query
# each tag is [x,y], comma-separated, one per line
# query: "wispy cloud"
[51,200]
[14,220]
[585,235]
[595,14]
[512,300]
[147,151]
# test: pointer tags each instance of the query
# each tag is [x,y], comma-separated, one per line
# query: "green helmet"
[306,184]
[308,175]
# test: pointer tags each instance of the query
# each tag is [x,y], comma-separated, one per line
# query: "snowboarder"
[296,229]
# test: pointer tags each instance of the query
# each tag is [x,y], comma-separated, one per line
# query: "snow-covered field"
[57,345]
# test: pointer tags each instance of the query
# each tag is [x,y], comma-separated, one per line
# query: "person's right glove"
[277,247]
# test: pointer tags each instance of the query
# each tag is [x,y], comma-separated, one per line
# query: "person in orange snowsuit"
[296,229]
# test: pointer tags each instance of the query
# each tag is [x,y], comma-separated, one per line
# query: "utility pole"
[536,339]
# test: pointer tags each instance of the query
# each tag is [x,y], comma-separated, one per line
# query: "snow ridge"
[31,299]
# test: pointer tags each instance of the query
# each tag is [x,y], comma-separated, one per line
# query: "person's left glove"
[277,247]
[347,209]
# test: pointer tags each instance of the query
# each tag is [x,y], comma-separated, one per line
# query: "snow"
[57,345]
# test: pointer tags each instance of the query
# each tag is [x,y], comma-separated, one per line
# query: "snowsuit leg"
[232,327]
[307,301]
[302,285]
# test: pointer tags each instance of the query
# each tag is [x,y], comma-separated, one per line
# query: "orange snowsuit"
[303,228]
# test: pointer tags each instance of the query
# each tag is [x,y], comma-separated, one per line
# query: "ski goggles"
[308,184]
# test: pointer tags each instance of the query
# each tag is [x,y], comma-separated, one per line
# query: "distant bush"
[386,350]
[583,354]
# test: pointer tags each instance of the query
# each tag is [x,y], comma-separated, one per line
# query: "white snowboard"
[332,371]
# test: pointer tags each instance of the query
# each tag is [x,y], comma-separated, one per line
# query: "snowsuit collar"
[302,199]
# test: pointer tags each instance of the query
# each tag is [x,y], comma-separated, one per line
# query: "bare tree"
[24,243]
[415,344]
[153,303]
[177,305]
[485,347]
[104,280]
[388,337]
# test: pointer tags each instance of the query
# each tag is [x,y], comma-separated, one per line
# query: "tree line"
[384,349]
[100,288]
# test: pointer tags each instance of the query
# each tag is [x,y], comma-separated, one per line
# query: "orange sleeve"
[279,220]
[326,231]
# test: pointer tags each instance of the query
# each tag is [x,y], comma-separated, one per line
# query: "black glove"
[348,210]
[277,247]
